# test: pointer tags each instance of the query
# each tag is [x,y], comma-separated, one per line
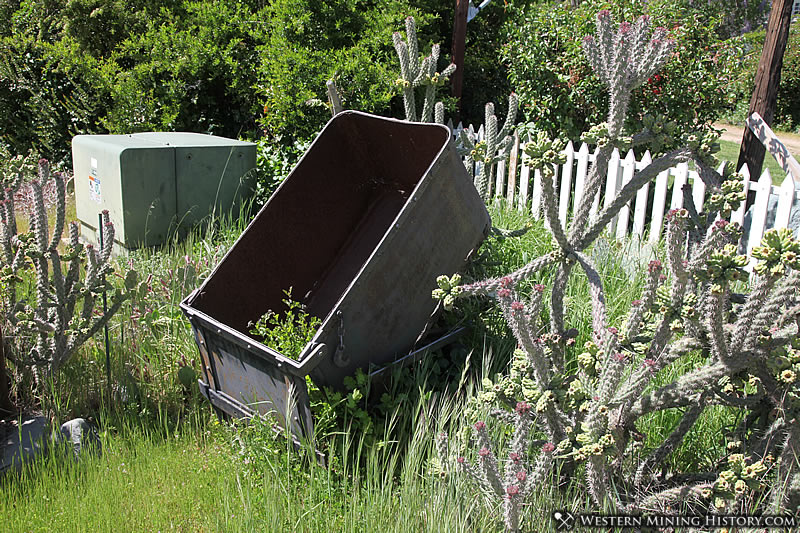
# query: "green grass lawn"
[168,465]
[140,483]
[729,151]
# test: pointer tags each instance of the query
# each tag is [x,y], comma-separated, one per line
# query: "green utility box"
[156,184]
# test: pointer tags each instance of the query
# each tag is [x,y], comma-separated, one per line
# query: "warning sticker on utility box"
[94,182]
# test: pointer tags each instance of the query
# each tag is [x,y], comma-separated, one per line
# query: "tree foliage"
[560,94]
[237,68]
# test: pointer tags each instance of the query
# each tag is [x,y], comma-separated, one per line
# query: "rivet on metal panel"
[188,156]
[247,347]
[219,331]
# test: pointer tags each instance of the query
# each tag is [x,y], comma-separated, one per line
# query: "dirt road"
[734,134]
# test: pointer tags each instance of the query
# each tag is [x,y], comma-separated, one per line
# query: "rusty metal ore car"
[374,211]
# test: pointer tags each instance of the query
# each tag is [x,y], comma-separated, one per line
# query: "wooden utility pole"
[459,43]
[768,77]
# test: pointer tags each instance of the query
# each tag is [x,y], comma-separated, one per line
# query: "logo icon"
[564,520]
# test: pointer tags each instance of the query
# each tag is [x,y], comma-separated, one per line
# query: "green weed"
[286,332]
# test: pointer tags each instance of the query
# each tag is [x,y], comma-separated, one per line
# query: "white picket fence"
[643,217]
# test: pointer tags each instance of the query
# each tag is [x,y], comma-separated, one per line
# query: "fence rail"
[643,217]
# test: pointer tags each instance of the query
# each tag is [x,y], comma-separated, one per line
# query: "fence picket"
[640,209]
[536,194]
[596,201]
[580,175]
[785,200]
[613,181]
[566,184]
[512,171]
[681,173]
[524,178]
[659,201]
[759,219]
[500,180]
[628,167]
[698,191]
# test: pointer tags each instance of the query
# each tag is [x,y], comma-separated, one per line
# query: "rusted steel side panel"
[257,383]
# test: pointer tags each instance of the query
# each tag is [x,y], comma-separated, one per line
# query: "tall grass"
[144,481]
[149,337]
[207,477]
[168,464]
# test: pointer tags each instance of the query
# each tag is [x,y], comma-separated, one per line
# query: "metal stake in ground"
[105,311]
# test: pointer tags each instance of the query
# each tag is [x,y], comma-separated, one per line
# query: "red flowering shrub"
[559,93]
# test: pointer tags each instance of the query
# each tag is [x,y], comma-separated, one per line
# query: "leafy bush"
[41,105]
[787,108]
[310,42]
[236,69]
[559,93]
[99,26]
[92,66]
[274,160]
[548,72]
[288,332]
[734,17]
[485,74]
[192,75]
[787,112]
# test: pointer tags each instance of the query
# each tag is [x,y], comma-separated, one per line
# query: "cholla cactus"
[495,147]
[62,316]
[419,72]
[688,305]
[334,98]
[514,481]
[624,59]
